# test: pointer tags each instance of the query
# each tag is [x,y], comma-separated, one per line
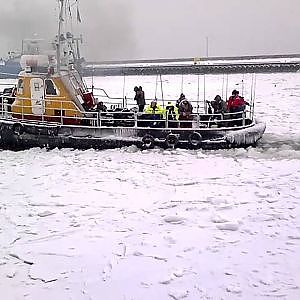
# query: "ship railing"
[117,117]
[120,117]
[130,118]
[119,102]
[5,105]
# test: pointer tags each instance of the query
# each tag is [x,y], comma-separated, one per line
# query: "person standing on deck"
[140,98]
[185,113]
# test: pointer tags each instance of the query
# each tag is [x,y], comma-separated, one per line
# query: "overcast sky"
[129,29]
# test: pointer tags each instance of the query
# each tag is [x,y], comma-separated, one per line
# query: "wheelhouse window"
[50,88]
[20,88]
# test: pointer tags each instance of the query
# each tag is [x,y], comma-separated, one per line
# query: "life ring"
[148,141]
[195,139]
[18,129]
[171,140]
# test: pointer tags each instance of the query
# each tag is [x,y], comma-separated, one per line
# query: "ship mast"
[58,54]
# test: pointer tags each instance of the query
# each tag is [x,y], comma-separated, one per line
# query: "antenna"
[61,12]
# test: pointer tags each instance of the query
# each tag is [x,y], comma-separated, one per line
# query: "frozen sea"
[126,224]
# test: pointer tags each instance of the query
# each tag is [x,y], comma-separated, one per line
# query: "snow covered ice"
[158,224]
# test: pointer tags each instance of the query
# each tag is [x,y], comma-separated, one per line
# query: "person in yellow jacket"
[154,112]
[155,109]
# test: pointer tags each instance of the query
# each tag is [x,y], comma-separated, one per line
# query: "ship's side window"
[36,86]
[20,86]
[51,89]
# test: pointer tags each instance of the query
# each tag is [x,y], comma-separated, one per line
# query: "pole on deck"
[181,83]
[204,95]
[254,96]
[156,82]
[226,94]
[162,92]
[124,82]
[243,83]
[198,93]
[223,83]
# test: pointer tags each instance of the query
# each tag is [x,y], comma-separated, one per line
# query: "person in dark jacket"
[171,115]
[185,110]
[181,97]
[140,98]
[101,107]
[219,107]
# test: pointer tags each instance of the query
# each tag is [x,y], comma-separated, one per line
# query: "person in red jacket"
[236,103]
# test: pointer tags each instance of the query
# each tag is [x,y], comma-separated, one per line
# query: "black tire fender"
[18,129]
[171,140]
[55,131]
[195,139]
[52,131]
[148,141]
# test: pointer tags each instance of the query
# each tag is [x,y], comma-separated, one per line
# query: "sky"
[144,29]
